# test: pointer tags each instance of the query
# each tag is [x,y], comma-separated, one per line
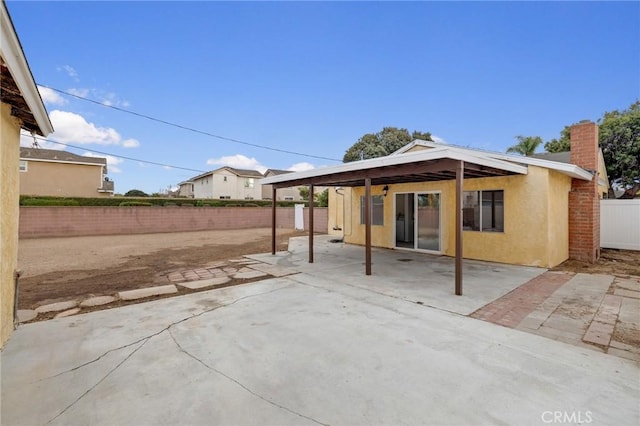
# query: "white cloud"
[130,143]
[73,128]
[438,139]
[51,97]
[71,72]
[112,162]
[102,96]
[238,161]
[301,167]
[79,92]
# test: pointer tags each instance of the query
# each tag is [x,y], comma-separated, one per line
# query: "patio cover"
[434,164]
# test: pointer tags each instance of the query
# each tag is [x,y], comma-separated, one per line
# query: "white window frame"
[23,166]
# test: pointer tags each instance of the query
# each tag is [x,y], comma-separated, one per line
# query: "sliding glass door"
[428,224]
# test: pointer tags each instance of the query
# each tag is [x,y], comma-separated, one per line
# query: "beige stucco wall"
[9,197]
[61,180]
[535,222]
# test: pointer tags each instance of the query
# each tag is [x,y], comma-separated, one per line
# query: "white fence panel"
[620,224]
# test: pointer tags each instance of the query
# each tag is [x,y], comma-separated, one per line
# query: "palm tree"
[526,145]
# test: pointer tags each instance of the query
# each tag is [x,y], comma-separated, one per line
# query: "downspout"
[16,277]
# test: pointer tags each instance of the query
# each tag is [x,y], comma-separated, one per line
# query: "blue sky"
[313,77]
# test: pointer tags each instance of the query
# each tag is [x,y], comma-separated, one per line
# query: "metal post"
[459,186]
[367,222]
[311,223]
[273,220]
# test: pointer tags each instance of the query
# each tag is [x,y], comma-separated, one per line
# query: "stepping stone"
[25,315]
[194,285]
[55,307]
[67,313]
[243,275]
[147,292]
[97,301]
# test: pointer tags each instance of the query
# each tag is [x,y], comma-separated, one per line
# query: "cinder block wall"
[40,222]
[584,199]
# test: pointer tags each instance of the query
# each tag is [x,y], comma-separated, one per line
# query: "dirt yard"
[57,269]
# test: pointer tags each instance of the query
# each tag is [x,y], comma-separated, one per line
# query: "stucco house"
[63,174]
[226,183]
[21,107]
[454,201]
[285,194]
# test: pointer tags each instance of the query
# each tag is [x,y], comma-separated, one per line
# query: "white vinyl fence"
[620,224]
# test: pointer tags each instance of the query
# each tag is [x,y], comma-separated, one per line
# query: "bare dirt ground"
[57,269]
[612,261]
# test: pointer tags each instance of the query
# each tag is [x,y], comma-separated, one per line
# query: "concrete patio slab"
[416,277]
[194,285]
[302,350]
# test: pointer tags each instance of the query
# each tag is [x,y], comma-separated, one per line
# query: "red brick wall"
[584,200]
[40,222]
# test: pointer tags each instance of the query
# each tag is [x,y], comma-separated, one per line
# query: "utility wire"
[191,129]
[118,156]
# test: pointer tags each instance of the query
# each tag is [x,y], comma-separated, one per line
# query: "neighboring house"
[51,172]
[20,108]
[513,209]
[185,189]
[284,194]
[228,183]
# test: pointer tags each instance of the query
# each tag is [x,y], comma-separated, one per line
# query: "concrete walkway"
[600,312]
[322,346]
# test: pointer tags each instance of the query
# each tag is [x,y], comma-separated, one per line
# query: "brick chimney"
[584,200]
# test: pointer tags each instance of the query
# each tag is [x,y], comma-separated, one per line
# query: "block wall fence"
[41,222]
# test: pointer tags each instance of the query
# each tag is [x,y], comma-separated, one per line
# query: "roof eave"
[13,55]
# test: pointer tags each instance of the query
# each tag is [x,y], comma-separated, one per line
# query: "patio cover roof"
[441,163]
[426,165]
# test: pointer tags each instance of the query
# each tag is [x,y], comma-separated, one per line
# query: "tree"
[560,145]
[322,198]
[135,193]
[620,143]
[304,192]
[526,145]
[373,145]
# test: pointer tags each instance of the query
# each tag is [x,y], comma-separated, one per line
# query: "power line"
[190,129]
[119,156]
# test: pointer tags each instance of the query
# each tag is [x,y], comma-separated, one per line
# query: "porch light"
[385,190]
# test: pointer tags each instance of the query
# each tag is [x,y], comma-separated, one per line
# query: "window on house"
[225,197]
[377,210]
[288,197]
[248,183]
[23,166]
[483,211]
[224,178]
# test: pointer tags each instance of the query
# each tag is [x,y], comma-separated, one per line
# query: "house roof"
[565,168]
[243,172]
[18,85]
[56,156]
[238,172]
[425,165]
[435,163]
[275,172]
[560,157]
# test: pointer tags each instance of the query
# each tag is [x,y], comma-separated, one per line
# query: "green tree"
[562,144]
[304,192]
[526,145]
[620,143]
[136,193]
[373,145]
[322,198]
